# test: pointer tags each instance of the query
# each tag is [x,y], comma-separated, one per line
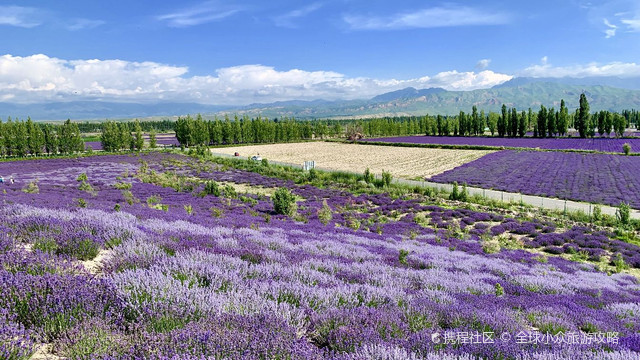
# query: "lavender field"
[138,259]
[597,178]
[595,144]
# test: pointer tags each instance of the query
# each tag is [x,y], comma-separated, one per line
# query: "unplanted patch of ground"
[403,162]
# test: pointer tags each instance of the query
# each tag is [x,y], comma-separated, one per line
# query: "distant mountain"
[406,93]
[521,93]
[89,110]
[632,83]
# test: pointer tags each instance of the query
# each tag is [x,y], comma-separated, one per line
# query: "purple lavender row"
[596,144]
[597,178]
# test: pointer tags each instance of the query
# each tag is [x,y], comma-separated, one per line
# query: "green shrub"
[626,148]
[82,177]
[499,289]
[402,257]
[325,214]
[313,174]
[454,192]
[212,188]
[31,188]
[623,214]
[284,202]
[229,191]
[265,162]
[597,213]
[386,178]
[368,176]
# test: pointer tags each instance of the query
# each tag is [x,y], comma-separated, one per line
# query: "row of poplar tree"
[118,136]
[21,138]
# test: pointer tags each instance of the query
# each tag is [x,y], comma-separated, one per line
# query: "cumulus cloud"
[483,63]
[618,69]
[20,16]
[440,16]
[40,78]
[205,12]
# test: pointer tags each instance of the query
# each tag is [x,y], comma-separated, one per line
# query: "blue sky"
[240,52]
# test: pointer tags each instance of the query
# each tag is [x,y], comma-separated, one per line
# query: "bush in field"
[386,178]
[229,191]
[212,188]
[325,214]
[623,214]
[284,202]
[457,194]
[626,148]
[313,174]
[368,176]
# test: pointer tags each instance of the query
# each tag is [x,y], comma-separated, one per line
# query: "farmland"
[599,178]
[125,257]
[592,144]
[402,162]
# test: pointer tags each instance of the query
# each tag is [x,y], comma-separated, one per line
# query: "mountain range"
[603,93]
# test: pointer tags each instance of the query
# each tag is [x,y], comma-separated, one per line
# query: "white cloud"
[205,12]
[446,16]
[19,16]
[544,60]
[618,69]
[81,24]
[39,78]
[287,20]
[611,31]
[632,24]
[483,64]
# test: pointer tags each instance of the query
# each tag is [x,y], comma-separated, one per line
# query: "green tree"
[563,119]
[492,122]
[152,139]
[542,121]
[551,122]
[502,122]
[50,139]
[138,139]
[522,124]
[582,120]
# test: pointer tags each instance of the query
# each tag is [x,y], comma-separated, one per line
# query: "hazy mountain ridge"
[521,93]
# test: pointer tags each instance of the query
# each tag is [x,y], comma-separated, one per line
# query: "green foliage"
[386,178]
[116,207]
[619,263]
[284,202]
[82,203]
[229,191]
[212,188]
[499,290]
[368,176]
[626,149]
[597,213]
[402,256]
[31,187]
[82,177]
[188,209]
[152,139]
[313,174]
[623,214]
[325,214]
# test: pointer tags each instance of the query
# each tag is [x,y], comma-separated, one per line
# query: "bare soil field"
[403,162]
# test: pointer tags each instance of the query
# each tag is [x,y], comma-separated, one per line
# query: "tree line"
[21,138]
[124,136]
[146,126]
